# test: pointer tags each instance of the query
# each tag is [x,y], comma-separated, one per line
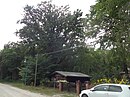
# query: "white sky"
[12,10]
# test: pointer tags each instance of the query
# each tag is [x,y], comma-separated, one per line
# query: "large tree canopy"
[51,28]
[48,29]
[109,23]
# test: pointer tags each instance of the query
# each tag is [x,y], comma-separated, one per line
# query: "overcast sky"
[11,11]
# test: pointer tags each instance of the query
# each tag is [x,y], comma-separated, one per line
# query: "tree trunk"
[126,71]
[125,68]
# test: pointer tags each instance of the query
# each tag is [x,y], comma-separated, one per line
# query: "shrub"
[114,80]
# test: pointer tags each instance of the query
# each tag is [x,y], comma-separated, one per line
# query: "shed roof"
[72,74]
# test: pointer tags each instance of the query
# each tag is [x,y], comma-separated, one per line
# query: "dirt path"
[9,91]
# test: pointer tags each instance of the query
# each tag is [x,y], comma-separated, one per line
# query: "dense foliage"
[109,24]
[53,38]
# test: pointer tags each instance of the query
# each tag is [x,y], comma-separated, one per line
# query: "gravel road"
[9,91]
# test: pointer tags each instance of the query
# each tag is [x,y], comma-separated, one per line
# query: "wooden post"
[60,86]
[78,87]
[54,80]
[88,85]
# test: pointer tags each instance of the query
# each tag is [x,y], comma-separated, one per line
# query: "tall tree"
[109,23]
[48,29]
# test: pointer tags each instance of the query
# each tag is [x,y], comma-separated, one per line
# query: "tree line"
[54,38]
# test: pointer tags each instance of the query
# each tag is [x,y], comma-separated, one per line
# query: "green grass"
[41,89]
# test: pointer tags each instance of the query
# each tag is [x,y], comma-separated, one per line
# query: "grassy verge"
[41,89]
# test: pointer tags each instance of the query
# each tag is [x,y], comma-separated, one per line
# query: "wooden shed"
[75,77]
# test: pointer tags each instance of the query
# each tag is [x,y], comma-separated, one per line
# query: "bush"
[114,80]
